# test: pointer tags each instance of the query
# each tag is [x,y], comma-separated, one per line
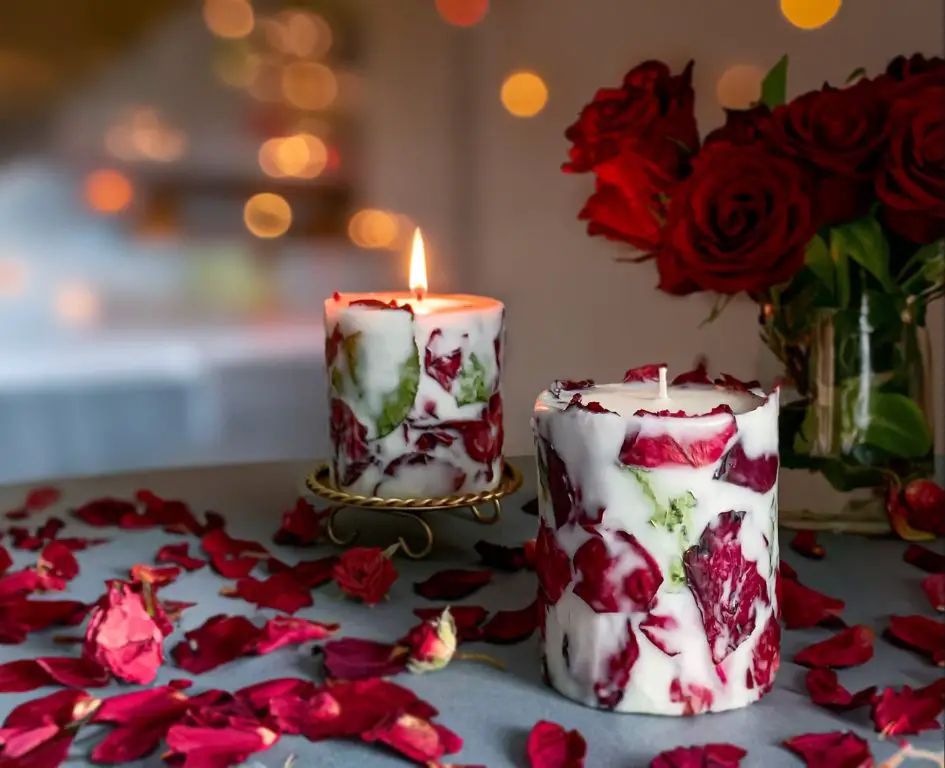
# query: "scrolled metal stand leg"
[487,519]
[427,530]
[333,535]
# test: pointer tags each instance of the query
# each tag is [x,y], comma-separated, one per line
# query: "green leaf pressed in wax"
[774,86]
[396,404]
[864,242]
[817,258]
[473,387]
[337,380]
[677,574]
[898,426]
[351,345]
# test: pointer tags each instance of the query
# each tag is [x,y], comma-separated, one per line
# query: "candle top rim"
[454,301]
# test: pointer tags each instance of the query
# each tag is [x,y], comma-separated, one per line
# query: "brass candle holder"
[319,483]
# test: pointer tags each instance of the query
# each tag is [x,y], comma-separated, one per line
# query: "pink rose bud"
[431,645]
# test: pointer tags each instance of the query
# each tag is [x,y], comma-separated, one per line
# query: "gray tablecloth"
[492,710]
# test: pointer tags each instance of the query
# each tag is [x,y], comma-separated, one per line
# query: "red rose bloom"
[902,68]
[123,637]
[742,126]
[911,183]
[837,134]
[739,223]
[365,573]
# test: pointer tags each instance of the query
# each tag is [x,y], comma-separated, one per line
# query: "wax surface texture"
[657,547]
[415,395]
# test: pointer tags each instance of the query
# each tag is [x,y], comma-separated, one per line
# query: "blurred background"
[183,183]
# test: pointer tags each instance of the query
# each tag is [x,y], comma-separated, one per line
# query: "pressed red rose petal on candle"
[920,633]
[905,712]
[177,554]
[551,746]
[758,473]
[706,756]
[924,558]
[566,503]
[302,525]
[805,543]
[352,658]
[824,688]
[552,565]
[591,406]
[610,690]
[848,648]
[661,631]
[558,386]
[803,607]
[500,556]
[731,382]
[837,749]
[508,627]
[649,372]
[652,448]
[453,584]
[604,585]
[442,366]
[468,618]
[934,587]
[767,657]
[695,699]
[698,375]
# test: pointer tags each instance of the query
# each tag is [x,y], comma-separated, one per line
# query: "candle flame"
[418,266]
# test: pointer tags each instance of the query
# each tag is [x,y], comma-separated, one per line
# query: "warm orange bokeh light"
[418,265]
[108,191]
[229,19]
[304,34]
[12,278]
[372,228]
[524,94]
[77,304]
[267,215]
[309,85]
[462,13]
[739,87]
[302,156]
[809,14]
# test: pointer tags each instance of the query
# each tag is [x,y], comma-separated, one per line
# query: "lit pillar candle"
[657,548]
[414,388]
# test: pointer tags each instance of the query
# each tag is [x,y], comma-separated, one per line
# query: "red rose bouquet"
[829,212]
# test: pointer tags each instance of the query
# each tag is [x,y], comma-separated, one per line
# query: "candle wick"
[419,293]
[664,393]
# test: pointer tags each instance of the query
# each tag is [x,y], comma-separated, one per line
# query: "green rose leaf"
[926,267]
[898,426]
[395,405]
[818,261]
[472,383]
[774,86]
[841,264]
[864,242]
[856,74]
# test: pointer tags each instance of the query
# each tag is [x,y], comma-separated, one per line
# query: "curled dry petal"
[290,630]
[706,756]
[415,738]
[650,372]
[848,648]
[177,554]
[281,592]
[452,584]
[500,556]
[698,375]
[508,627]
[934,587]
[57,560]
[228,745]
[920,633]
[653,446]
[302,525]
[550,746]
[803,607]
[104,512]
[825,690]
[836,749]
[591,406]
[558,386]
[905,712]
[728,381]
[30,674]
[219,640]
[468,618]
[805,543]
[352,658]
[156,577]
[924,558]
[232,558]
[441,365]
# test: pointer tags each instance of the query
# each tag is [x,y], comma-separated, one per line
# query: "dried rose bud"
[431,645]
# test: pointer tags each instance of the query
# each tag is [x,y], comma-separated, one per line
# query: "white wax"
[627,399]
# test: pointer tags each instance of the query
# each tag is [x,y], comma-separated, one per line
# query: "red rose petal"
[759,473]
[441,365]
[787,570]
[508,627]
[767,656]
[698,375]
[824,688]
[924,558]
[805,543]
[280,592]
[30,674]
[38,499]
[707,756]
[659,631]
[34,615]
[934,690]
[57,560]
[934,587]
[22,675]
[352,658]
[157,577]
[177,554]
[650,372]
[653,447]
[143,717]
[606,585]
[287,630]
[559,386]
[730,382]
[500,556]
[831,750]
[47,748]
[920,633]
[104,513]
[591,406]
[848,648]
[452,584]
[219,640]
[205,747]
[904,712]
[803,607]
[307,573]
[61,708]
[302,525]
[610,690]
[550,746]
[260,695]
[365,573]
[232,558]
[468,618]
[415,738]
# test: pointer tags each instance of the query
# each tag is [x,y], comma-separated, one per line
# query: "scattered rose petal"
[302,525]
[352,658]
[432,644]
[415,738]
[30,674]
[232,558]
[805,543]
[307,573]
[206,747]
[935,689]
[177,554]
[508,627]
[825,690]
[365,573]
[650,372]
[21,538]
[219,640]
[105,512]
[290,630]
[58,561]
[42,497]
[550,746]
[19,616]
[934,587]
[468,618]
[452,584]
[920,633]
[143,719]
[530,507]
[157,577]
[707,756]
[501,557]
[848,648]
[803,607]
[831,750]
[651,446]
[924,558]
[281,592]
[905,712]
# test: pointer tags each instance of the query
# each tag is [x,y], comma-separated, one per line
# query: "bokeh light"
[739,86]
[108,191]
[524,94]
[371,228]
[267,215]
[462,13]
[304,34]
[309,85]
[77,304]
[237,69]
[12,278]
[229,19]
[809,14]
[303,156]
